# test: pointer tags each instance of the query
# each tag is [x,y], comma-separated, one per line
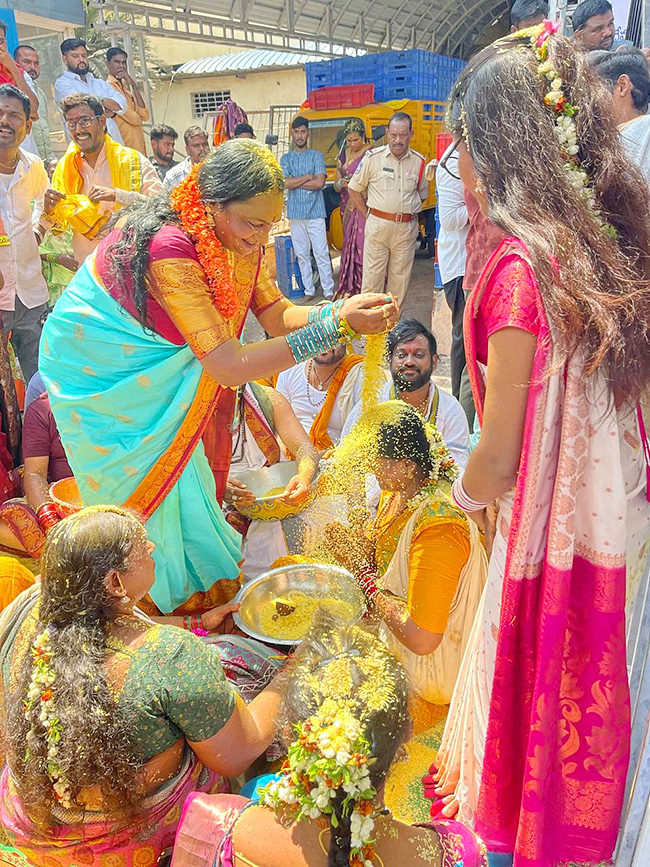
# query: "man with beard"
[163,141]
[413,354]
[322,391]
[78,78]
[28,60]
[110,174]
[23,180]
[593,25]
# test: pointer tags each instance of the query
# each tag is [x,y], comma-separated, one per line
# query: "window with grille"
[208,101]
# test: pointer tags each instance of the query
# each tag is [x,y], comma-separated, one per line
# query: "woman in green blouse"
[111,720]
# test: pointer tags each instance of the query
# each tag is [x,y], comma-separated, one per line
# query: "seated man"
[413,354]
[95,165]
[322,392]
[264,422]
[44,458]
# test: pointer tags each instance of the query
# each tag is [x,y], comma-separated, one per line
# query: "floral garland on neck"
[186,200]
[565,127]
[40,693]
[330,756]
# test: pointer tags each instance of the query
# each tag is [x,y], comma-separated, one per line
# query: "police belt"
[394,218]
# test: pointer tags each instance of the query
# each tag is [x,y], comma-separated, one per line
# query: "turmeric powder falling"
[374,370]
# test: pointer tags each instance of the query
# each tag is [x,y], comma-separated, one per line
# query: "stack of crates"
[412,74]
[287,272]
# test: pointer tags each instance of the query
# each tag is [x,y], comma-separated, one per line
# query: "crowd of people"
[479,714]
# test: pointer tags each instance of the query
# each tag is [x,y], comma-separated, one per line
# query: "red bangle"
[47,516]
[367,578]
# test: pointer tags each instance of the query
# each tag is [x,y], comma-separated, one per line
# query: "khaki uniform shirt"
[392,185]
[130,121]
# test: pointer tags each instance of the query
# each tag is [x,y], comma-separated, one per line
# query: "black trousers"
[456,302]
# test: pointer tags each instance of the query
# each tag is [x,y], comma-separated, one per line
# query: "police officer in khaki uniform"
[388,188]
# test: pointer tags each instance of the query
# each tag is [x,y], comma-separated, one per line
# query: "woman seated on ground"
[420,561]
[346,702]
[265,425]
[111,720]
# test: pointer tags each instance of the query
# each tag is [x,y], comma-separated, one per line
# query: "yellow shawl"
[124,164]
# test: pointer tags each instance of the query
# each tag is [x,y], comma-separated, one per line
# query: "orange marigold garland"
[186,199]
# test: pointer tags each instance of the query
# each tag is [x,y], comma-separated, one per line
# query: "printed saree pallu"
[132,403]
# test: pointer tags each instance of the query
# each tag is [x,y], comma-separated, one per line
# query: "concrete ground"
[418,304]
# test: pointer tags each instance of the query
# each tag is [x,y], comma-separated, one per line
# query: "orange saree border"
[318,433]
[169,467]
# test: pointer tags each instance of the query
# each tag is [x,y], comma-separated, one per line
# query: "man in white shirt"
[413,354]
[197,148]
[454,225]
[28,60]
[626,74]
[322,392]
[23,183]
[86,169]
[78,78]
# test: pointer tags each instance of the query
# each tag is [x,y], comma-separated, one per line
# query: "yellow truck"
[325,135]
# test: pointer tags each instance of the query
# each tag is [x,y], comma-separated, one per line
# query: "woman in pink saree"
[557,335]
[354,223]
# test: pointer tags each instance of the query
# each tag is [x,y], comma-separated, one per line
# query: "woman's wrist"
[367,577]
[194,623]
[47,516]
[463,500]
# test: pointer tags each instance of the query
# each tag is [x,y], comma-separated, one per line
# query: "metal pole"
[145,77]
[645,24]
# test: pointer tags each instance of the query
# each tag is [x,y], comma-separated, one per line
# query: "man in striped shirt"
[305,174]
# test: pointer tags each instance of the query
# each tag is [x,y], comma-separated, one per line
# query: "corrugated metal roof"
[260,58]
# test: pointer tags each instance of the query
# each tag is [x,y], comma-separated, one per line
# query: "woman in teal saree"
[141,353]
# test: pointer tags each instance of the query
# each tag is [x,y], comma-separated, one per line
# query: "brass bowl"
[268,506]
[66,497]
[314,579]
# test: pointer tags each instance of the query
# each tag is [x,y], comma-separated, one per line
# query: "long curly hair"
[384,722]
[237,170]
[598,298]
[95,748]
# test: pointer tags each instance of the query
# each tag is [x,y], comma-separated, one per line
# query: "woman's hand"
[297,491]
[486,521]
[219,619]
[237,494]
[351,550]
[371,313]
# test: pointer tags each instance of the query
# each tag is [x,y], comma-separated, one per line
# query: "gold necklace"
[423,406]
[320,383]
[12,166]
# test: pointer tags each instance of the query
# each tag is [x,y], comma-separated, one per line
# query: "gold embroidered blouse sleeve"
[266,292]
[179,286]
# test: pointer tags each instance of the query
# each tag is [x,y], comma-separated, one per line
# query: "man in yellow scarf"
[109,174]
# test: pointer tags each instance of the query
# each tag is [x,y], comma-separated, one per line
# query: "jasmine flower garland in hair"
[40,695]
[330,757]
[565,127]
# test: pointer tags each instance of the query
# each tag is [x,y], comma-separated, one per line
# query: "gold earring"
[480,187]
[210,217]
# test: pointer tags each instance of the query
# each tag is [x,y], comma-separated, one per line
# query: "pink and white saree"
[538,731]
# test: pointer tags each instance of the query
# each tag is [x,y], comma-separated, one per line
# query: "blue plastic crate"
[287,272]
